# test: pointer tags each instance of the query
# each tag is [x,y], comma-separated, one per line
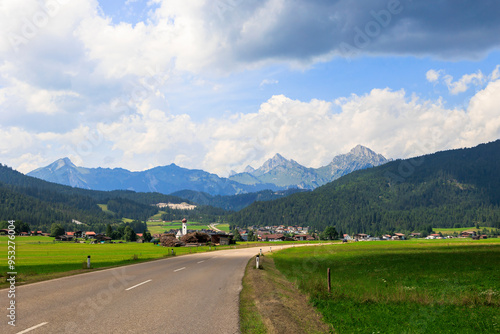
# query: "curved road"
[187,294]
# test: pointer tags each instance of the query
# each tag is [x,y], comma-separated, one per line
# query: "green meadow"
[39,258]
[223,227]
[160,227]
[418,286]
[449,231]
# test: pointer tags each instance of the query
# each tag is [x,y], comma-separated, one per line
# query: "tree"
[109,231]
[237,235]
[147,236]
[129,234]
[330,233]
[56,230]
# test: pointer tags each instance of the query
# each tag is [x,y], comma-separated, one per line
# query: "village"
[277,233]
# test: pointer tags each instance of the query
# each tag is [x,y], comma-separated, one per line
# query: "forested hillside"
[40,203]
[445,189]
[234,202]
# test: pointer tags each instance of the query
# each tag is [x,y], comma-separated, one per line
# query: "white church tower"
[184,227]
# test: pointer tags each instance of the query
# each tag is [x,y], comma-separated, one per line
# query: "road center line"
[135,286]
[32,328]
[179,269]
[201,261]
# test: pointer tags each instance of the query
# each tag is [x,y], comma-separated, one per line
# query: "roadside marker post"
[261,251]
[329,280]
[257,260]
[88,262]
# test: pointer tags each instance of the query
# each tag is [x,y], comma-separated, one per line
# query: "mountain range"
[275,174]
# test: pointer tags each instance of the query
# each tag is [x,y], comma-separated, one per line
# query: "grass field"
[421,286]
[223,227]
[449,231]
[104,207]
[39,258]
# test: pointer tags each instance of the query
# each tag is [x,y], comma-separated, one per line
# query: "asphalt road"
[196,293]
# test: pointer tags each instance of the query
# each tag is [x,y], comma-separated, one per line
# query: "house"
[361,236]
[274,237]
[24,234]
[467,234]
[398,236]
[303,237]
[484,237]
[70,234]
[415,235]
[102,238]
[78,234]
[4,231]
[221,239]
[63,238]
[90,234]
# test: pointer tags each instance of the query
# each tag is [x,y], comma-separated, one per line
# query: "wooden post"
[329,281]
[88,262]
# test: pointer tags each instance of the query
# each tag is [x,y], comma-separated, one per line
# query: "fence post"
[329,281]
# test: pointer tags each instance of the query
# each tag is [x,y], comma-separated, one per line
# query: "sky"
[222,84]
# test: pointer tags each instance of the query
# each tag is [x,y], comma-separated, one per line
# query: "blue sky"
[219,85]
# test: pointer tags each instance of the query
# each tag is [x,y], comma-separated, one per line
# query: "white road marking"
[179,269]
[135,286]
[201,261]
[32,328]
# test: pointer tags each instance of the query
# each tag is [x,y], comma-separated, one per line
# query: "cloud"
[433,75]
[75,82]
[392,123]
[268,82]
[463,84]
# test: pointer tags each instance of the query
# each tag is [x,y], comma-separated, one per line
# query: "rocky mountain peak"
[61,163]
[249,169]
[276,161]
[361,150]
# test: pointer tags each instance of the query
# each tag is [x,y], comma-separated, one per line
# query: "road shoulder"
[269,303]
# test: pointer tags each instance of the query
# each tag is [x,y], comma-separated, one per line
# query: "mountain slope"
[234,202]
[41,203]
[359,157]
[442,189]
